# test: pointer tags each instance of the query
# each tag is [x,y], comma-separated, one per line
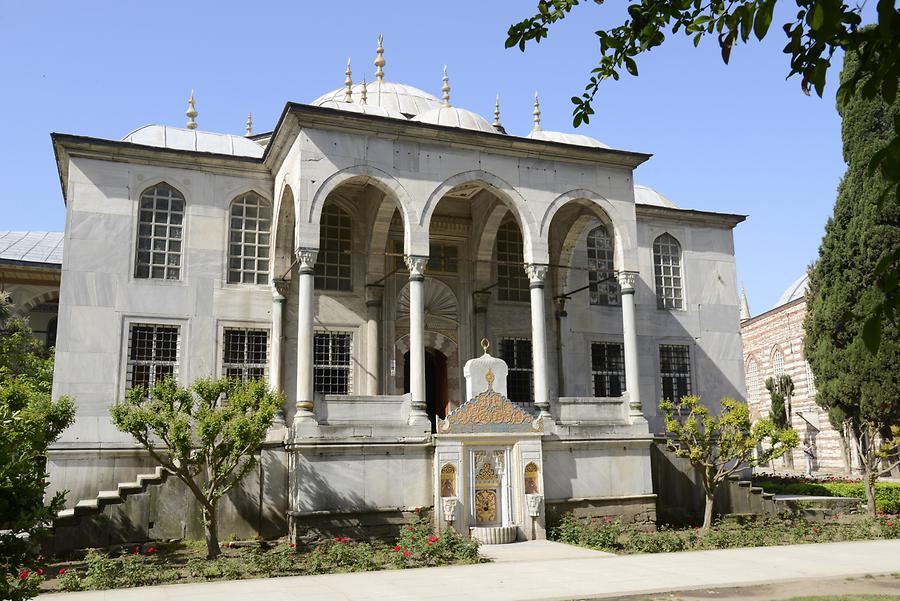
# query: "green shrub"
[887,494]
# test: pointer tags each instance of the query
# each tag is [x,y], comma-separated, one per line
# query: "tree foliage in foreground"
[719,446]
[820,28]
[29,422]
[207,435]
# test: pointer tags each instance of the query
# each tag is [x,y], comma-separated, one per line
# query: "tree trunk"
[212,531]
[708,511]
[869,483]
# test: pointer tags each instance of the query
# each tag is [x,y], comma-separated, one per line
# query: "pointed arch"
[605,211]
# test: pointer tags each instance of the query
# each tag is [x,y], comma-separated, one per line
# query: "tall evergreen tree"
[857,387]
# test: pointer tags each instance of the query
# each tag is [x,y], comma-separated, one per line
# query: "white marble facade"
[408,174]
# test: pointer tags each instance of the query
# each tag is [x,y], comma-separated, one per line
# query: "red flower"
[430,543]
[151,551]
[432,539]
[418,510]
[890,524]
[815,530]
[396,547]
[406,554]
[344,539]
[337,539]
[24,574]
[609,520]
[291,545]
[61,571]
[40,571]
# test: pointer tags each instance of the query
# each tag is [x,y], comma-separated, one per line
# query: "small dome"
[794,291]
[365,109]
[395,97]
[176,138]
[451,116]
[644,195]
[564,138]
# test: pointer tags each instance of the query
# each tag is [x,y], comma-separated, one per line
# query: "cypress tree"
[856,387]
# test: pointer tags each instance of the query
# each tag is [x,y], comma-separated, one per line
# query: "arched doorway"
[437,397]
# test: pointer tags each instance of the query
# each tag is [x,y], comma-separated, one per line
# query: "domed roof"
[365,109]
[396,97]
[564,138]
[644,195]
[796,290]
[176,138]
[451,116]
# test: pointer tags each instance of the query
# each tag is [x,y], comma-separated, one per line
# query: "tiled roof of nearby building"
[31,247]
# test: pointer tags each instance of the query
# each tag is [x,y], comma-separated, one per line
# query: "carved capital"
[627,280]
[306,259]
[537,273]
[416,266]
[448,508]
[533,503]
[374,294]
[280,290]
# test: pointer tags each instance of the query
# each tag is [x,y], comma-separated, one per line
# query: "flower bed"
[610,535]
[887,494]
[182,561]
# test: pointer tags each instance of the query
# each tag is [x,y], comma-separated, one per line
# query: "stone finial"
[249,125]
[191,113]
[496,122]
[379,59]
[364,94]
[445,90]
[348,84]
[537,113]
[485,345]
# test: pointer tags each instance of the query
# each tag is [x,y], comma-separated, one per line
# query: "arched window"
[602,277]
[752,381]
[667,269]
[512,283]
[248,240]
[333,271]
[777,364]
[159,236]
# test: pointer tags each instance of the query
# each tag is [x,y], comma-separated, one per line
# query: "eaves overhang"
[694,216]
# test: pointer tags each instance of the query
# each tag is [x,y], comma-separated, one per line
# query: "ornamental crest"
[490,411]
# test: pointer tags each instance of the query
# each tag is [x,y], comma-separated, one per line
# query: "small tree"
[877,454]
[720,446]
[207,435]
[781,391]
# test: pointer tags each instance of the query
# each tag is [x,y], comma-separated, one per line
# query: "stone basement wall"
[382,525]
[782,327]
[638,510]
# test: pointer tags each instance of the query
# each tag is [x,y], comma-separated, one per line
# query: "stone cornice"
[692,216]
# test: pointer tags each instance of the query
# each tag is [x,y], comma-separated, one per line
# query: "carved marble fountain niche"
[488,461]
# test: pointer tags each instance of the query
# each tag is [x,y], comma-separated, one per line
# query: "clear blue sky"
[737,138]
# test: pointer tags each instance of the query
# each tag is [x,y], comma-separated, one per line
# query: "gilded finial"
[348,84]
[249,125]
[496,122]
[379,59]
[445,89]
[365,92]
[485,345]
[537,113]
[191,113]
[489,376]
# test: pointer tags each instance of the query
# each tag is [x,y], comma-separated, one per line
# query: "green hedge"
[887,494]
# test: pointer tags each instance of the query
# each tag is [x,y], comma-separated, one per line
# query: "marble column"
[374,295]
[306,259]
[416,265]
[537,273]
[627,280]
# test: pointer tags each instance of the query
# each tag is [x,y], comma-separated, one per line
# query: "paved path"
[562,575]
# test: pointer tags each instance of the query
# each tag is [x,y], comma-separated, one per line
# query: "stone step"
[109,496]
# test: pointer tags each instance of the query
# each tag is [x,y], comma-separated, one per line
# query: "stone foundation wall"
[639,510]
[382,525]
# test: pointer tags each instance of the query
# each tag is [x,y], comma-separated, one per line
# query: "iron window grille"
[443,258]
[675,371]
[667,271]
[753,381]
[333,265]
[512,282]
[516,352]
[331,362]
[777,364]
[152,354]
[245,354]
[600,251]
[248,240]
[159,236]
[608,368]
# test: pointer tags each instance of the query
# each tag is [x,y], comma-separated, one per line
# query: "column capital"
[416,265]
[627,280]
[280,290]
[537,273]
[306,259]
[374,295]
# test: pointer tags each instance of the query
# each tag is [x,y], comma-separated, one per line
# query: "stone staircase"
[104,498]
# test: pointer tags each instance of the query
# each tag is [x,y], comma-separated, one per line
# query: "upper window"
[443,258]
[331,362]
[667,269]
[516,352]
[512,282]
[248,240]
[159,237]
[608,368]
[602,275]
[333,270]
[675,371]
[753,381]
[777,363]
[152,354]
[245,354]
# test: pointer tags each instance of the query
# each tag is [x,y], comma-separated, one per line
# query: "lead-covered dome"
[364,109]
[796,290]
[451,116]
[395,97]
[645,195]
[539,133]
[177,138]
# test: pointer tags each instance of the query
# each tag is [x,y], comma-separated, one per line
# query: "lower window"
[245,354]
[152,354]
[608,368]
[331,362]
[516,352]
[675,370]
